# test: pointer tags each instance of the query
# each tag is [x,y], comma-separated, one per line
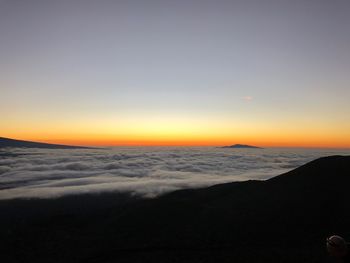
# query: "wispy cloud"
[247,98]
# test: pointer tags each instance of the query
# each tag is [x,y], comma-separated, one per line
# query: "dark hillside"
[284,219]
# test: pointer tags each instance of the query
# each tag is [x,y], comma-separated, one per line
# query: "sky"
[185,72]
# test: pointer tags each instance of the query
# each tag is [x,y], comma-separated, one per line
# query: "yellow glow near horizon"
[208,76]
[174,131]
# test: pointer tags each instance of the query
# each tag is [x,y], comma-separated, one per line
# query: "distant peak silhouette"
[241,146]
[7,142]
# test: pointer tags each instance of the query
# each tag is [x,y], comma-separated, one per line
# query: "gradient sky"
[185,72]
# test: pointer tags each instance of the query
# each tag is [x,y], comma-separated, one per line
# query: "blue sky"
[65,62]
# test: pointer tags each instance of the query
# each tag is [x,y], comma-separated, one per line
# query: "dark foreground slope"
[6,142]
[284,219]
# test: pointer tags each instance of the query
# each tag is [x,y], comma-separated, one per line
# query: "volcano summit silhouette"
[242,146]
[7,142]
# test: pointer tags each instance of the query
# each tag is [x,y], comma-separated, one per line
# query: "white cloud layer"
[149,171]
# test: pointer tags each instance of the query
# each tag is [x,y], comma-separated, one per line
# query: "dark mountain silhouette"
[240,146]
[284,219]
[6,142]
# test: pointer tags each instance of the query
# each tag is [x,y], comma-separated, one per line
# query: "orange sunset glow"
[185,133]
[189,79]
[174,131]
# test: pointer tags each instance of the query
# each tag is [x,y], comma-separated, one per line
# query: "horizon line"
[148,144]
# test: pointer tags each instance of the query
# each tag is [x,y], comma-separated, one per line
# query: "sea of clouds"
[146,171]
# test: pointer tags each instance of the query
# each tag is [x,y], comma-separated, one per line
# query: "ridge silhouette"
[7,142]
[283,219]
